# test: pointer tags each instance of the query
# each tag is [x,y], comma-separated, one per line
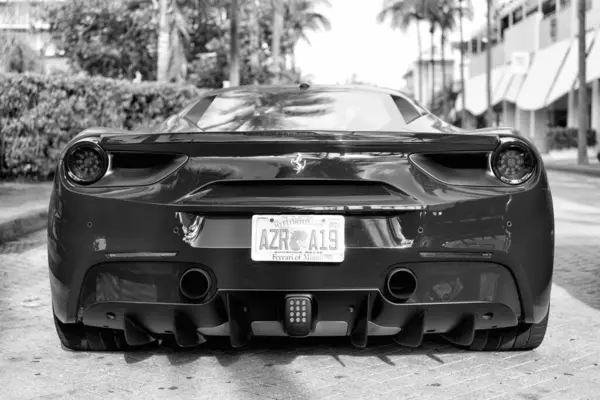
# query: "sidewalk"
[23,208]
[566,161]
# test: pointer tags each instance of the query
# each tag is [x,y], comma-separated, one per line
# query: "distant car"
[301,211]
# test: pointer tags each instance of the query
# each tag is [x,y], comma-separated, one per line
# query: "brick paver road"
[566,366]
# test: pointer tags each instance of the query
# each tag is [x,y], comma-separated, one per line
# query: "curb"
[588,170]
[23,225]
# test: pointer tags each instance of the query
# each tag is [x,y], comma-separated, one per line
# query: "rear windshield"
[301,110]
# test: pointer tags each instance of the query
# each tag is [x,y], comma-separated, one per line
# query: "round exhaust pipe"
[401,284]
[194,283]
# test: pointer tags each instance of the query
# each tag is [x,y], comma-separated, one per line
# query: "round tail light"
[513,163]
[86,162]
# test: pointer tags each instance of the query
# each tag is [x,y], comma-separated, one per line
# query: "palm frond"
[401,13]
[301,18]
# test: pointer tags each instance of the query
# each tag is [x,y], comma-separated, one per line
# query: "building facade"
[20,20]
[424,77]
[535,53]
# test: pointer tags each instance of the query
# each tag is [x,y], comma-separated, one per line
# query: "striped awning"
[476,91]
[568,73]
[499,94]
[512,93]
[542,75]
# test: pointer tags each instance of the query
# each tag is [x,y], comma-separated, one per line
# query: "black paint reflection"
[276,110]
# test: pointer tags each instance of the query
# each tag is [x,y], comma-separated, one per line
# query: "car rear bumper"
[510,236]
[447,295]
[357,314]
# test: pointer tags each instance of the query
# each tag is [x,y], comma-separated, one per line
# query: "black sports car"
[301,211]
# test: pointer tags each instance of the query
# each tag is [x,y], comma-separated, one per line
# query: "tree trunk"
[462,66]
[234,51]
[444,88]
[432,52]
[420,61]
[276,39]
[164,39]
[293,60]
[256,40]
[488,51]
[583,98]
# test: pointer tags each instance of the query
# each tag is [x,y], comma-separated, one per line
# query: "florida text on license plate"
[298,238]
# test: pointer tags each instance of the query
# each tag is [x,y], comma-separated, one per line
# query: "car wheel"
[521,337]
[79,337]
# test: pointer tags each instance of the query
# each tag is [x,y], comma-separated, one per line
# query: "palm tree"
[446,15]
[430,15]
[256,37]
[234,51]
[488,51]
[583,101]
[163,41]
[173,34]
[301,17]
[462,60]
[278,7]
[433,13]
[403,13]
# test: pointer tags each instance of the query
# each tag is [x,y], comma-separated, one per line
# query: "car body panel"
[402,207]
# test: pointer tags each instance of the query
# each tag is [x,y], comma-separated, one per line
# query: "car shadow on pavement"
[283,367]
[284,350]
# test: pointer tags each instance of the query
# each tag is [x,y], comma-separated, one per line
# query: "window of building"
[531,7]
[517,15]
[567,3]
[466,47]
[548,8]
[474,46]
[504,22]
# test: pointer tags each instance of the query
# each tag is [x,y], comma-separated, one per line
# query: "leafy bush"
[40,114]
[564,138]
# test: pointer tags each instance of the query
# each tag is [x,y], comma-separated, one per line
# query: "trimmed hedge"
[565,138]
[39,114]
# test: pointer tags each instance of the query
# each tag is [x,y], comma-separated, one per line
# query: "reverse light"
[513,163]
[86,162]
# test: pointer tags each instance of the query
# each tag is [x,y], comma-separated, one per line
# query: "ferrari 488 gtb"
[301,211]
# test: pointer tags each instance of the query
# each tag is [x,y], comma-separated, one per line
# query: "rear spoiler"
[276,143]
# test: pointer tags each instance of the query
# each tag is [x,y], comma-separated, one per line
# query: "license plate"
[298,238]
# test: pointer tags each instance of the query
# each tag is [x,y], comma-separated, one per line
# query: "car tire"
[78,337]
[521,337]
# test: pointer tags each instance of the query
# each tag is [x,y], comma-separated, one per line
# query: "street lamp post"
[583,100]
[462,64]
[488,50]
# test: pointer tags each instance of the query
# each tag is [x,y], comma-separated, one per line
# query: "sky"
[357,44]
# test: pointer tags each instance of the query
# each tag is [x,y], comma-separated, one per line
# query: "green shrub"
[565,138]
[40,114]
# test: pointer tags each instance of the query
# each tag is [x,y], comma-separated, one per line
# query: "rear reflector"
[141,254]
[463,255]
